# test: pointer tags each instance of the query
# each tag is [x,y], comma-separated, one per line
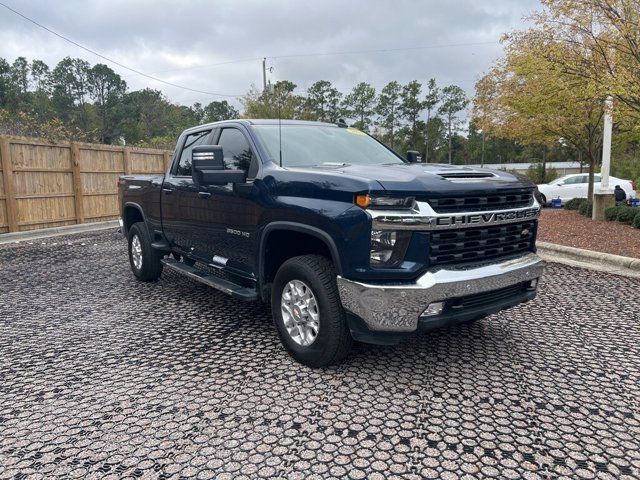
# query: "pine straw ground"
[567,227]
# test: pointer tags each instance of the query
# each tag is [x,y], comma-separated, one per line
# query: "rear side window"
[193,139]
[236,150]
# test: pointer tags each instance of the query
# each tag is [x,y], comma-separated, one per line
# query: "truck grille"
[481,203]
[478,244]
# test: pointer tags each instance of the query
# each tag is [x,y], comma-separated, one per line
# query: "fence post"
[127,160]
[166,158]
[7,174]
[77,182]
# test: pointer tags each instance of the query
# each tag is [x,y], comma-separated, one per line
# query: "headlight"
[388,247]
[384,203]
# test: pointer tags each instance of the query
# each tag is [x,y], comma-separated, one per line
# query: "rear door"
[180,206]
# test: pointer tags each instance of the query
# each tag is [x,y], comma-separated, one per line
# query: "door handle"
[168,191]
[204,194]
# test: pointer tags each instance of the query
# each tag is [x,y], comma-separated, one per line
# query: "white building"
[562,168]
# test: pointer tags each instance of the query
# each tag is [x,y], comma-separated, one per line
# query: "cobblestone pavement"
[103,376]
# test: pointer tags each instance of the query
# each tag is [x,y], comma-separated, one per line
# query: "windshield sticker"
[355,132]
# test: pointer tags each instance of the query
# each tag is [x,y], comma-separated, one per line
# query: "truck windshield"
[305,145]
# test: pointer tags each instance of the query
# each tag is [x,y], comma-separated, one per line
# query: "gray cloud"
[169,39]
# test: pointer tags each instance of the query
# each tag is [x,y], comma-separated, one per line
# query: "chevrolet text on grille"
[434,222]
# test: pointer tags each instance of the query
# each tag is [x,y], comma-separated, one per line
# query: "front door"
[575,188]
[229,212]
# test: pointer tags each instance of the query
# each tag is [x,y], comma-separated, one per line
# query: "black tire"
[333,341]
[151,267]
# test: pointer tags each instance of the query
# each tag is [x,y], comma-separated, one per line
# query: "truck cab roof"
[259,121]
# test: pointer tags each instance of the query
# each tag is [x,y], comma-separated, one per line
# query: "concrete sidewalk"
[17,237]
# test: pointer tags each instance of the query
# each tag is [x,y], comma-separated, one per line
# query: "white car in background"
[576,186]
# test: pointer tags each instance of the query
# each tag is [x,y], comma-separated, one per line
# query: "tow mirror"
[414,156]
[207,167]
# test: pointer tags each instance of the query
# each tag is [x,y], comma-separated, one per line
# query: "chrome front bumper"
[397,308]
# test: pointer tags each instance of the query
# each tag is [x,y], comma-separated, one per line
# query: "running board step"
[230,288]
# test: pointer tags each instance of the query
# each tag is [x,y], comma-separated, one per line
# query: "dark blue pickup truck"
[346,239]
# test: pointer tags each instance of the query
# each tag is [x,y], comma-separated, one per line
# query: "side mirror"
[207,167]
[414,156]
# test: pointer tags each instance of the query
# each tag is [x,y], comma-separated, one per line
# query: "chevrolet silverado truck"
[345,238]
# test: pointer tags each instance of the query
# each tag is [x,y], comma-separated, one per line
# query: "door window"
[574,180]
[236,150]
[583,179]
[183,169]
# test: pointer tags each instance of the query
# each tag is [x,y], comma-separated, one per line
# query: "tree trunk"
[544,164]
[482,157]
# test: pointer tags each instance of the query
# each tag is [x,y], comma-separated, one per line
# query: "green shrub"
[574,203]
[611,213]
[586,209]
[626,214]
[636,219]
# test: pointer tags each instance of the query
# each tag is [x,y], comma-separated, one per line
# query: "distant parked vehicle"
[576,186]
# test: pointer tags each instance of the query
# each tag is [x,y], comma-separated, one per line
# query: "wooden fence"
[44,184]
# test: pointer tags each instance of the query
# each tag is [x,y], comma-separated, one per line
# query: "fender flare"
[296,227]
[136,207]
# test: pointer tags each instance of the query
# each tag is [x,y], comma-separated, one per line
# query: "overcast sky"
[176,40]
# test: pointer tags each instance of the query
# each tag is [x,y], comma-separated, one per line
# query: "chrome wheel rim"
[136,252]
[300,312]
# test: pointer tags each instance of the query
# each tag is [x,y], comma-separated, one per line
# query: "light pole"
[606,145]
[604,198]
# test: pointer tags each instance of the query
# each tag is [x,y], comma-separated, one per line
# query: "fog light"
[434,308]
[382,243]
[533,284]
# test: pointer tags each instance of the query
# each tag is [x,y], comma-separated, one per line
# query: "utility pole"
[264,74]
[426,137]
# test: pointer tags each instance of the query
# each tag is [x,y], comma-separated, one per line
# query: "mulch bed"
[569,228]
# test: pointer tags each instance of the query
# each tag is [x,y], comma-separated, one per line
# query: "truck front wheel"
[307,311]
[145,261]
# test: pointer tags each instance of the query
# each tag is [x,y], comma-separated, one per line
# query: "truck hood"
[434,179]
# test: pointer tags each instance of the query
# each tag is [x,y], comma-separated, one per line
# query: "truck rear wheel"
[145,261]
[307,311]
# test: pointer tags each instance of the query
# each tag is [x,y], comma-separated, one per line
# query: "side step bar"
[230,288]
